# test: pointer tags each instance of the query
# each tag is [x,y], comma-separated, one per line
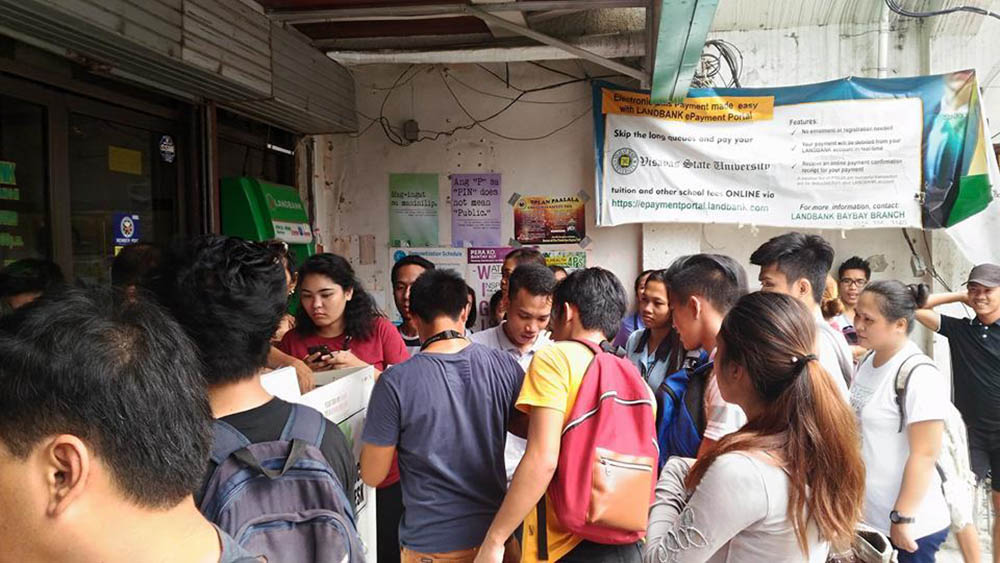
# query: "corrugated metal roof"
[746,15]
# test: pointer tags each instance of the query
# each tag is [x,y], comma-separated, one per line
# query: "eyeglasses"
[859,283]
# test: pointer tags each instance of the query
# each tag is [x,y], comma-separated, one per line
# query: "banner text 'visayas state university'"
[843,154]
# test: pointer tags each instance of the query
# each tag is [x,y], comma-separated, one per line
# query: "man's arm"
[376,461]
[932,319]
[530,480]
[278,359]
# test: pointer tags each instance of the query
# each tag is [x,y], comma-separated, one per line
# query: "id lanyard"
[446,335]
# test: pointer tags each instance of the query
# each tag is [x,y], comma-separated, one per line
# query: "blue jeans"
[927,548]
[590,552]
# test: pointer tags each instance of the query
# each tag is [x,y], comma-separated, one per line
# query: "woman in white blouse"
[790,482]
[903,497]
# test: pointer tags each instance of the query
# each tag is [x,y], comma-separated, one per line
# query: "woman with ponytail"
[790,483]
[903,496]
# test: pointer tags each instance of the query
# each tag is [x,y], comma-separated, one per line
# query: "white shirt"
[497,339]
[834,354]
[738,513]
[885,449]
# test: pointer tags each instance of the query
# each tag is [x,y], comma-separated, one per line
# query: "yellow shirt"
[553,381]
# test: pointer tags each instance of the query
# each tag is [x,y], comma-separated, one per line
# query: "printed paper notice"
[549,220]
[413,210]
[475,210]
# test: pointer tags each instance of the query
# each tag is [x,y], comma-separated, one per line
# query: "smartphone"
[322,349]
[851,335]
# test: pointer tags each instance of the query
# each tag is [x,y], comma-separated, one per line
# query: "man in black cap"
[975,360]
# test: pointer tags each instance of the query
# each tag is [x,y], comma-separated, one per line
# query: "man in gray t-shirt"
[445,411]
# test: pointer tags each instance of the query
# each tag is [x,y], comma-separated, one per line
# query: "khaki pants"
[512,554]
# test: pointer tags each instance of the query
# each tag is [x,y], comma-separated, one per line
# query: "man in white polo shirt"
[528,306]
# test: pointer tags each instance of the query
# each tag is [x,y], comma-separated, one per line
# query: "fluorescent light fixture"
[282,150]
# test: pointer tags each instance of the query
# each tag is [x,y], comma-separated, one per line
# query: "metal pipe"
[606,46]
[883,42]
[442,10]
[549,40]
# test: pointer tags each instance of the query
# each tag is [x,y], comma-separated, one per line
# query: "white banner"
[831,164]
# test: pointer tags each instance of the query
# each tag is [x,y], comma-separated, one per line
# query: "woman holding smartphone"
[339,326]
[337,313]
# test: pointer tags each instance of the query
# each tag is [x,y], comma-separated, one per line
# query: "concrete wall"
[352,172]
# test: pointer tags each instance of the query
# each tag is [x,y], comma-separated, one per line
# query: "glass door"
[24,217]
[123,190]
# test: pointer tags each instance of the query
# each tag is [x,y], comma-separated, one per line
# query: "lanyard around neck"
[444,335]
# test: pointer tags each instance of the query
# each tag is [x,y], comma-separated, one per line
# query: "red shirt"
[382,349]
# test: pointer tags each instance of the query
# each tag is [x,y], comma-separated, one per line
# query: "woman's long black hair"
[360,313]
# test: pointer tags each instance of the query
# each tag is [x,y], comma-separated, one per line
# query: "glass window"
[24,217]
[122,190]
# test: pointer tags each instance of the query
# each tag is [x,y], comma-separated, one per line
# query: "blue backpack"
[281,499]
[678,430]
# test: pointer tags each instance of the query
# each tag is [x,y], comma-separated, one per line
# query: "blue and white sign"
[126,228]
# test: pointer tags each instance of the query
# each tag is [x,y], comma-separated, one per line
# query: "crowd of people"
[706,423]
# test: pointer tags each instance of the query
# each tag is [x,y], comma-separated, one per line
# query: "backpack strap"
[543,531]
[226,440]
[305,424]
[906,369]
[604,347]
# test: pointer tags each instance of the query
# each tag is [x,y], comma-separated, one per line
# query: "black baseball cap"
[987,275]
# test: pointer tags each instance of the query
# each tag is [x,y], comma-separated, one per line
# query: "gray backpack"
[281,499]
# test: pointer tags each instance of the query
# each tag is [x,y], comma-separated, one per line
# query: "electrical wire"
[479,122]
[711,64]
[502,97]
[394,134]
[895,7]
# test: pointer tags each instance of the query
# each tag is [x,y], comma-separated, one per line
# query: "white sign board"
[342,396]
[831,164]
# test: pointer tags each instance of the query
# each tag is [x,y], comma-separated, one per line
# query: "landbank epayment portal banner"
[853,153]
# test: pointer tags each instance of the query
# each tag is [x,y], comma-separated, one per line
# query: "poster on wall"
[569,259]
[485,271]
[852,153]
[413,209]
[475,210]
[442,257]
[549,220]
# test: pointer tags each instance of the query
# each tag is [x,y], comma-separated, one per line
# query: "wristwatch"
[897,518]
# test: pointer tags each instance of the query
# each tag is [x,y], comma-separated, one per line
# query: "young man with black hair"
[404,273]
[446,411]
[588,305]
[516,258]
[529,306]
[104,433]
[797,264]
[26,280]
[229,294]
[701,289]
[852,277]
[975,366]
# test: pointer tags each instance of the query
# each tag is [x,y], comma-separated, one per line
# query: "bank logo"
[127,227]
[624,161]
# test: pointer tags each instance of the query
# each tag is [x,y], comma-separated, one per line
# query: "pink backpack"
[605,480]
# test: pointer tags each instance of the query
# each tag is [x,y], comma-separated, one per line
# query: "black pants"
[590,552]
[388,513]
